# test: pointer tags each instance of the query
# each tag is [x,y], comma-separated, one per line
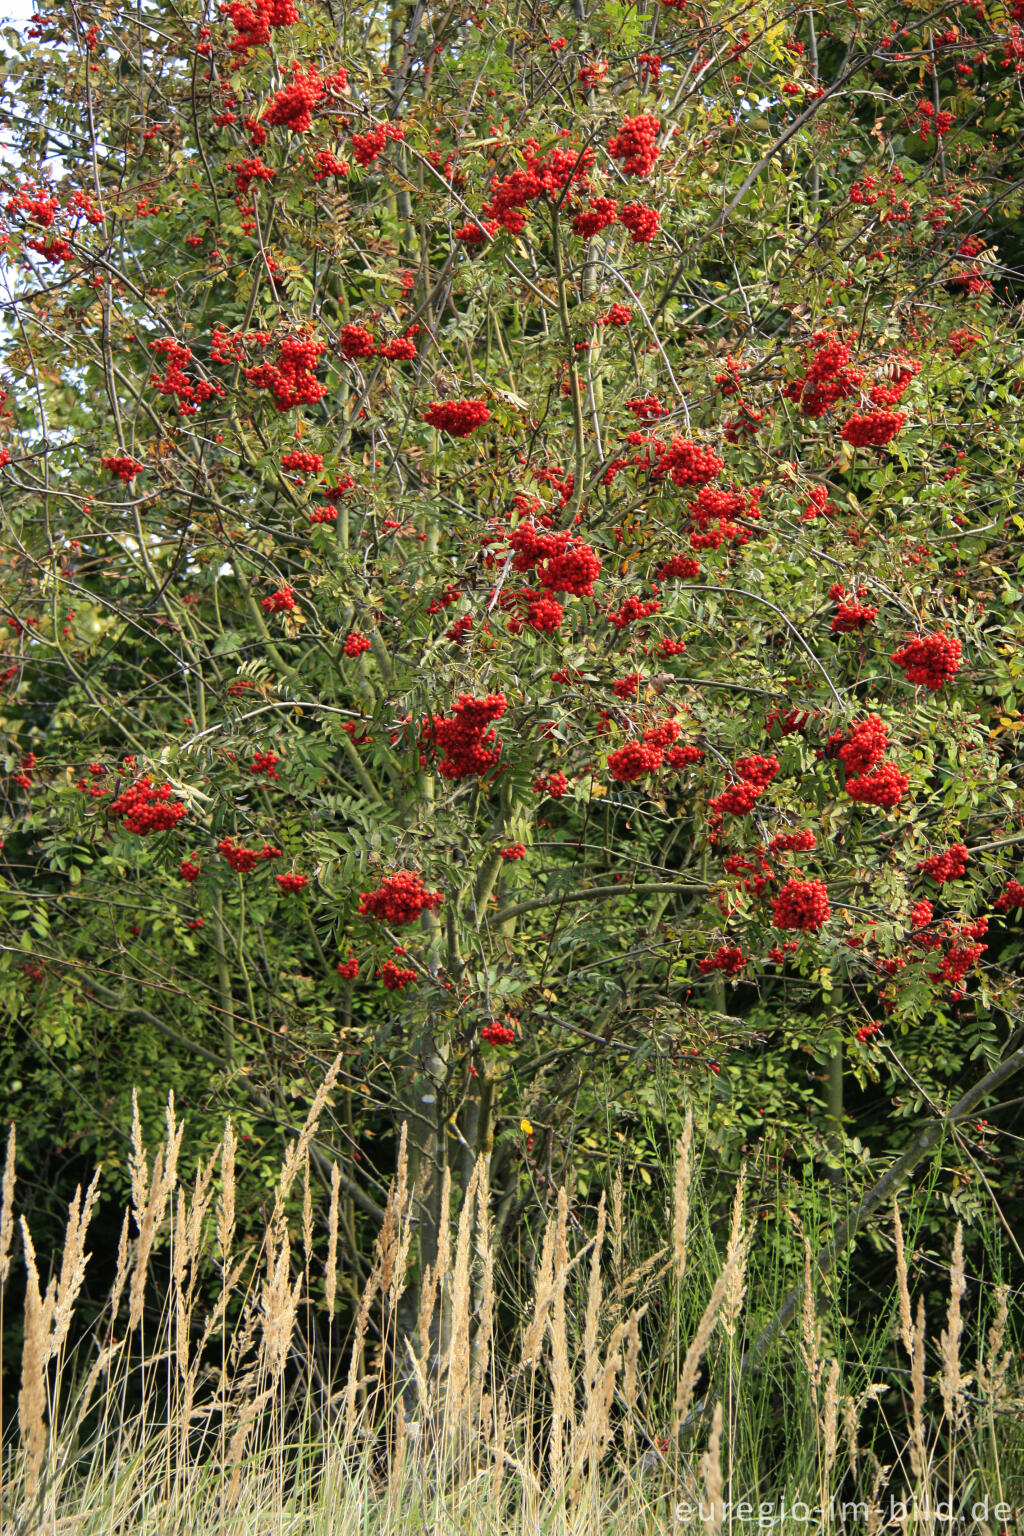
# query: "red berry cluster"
[563,562]
[248,170]
[553,784]
[348,969]
[174,381]
[755,774]
[324,514]
[642,222]
[143,808]
[245,859]
[292,882]
[542,176]
[123,466]
[1011,898]
[252,22]
[946,866]
[874,429]
[683,757]
[828,380]
[600,214]
[851,615]
[24,778]
[636,144]
[646,408]
[355,341]
[189,871]
[399,899]
[291,380]
[678,568]
[962,340]
[686,463]
[884,786]
[467,743]
[265,762]
[793,842]
[632,609]
[618,315]
[457,417]
[801,904]
[513,852]
[866,744]
[328,164]
[293,107]
[394,977]
[497,1034]
[281,601]
[305,463]
[901,372]
[866,1032]
[929,659]
[356,644]
[727,957]
[633,760]
[367,146]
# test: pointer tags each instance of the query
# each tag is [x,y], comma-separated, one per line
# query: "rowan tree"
[511,519]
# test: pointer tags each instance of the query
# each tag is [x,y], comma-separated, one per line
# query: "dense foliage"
[510,572]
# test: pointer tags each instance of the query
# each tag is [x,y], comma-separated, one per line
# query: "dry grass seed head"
[701,1339]
[7,1208]
[903,1288]
[918,1456]
[711,1473]
[73,1261]
[681,1196]
[992,1372]
[739,1242]
[331,1272]
[298,1151]
[951,1381]
[38,1313]
[226,1199]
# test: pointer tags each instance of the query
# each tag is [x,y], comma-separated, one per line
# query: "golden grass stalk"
[7,1208]
[561,1381]
[331,1268]
[280,1304]
[711,1473]
[485,1307]
[34,1354]
[829,1437]
[739,1242]
[299,1149]
[73,1261]
[810,1329]
[951,1382]
[993,1366]
[918,1453]
[681,1197]
[903,1288]
[702,1338]
[226,1198]
[457,1365]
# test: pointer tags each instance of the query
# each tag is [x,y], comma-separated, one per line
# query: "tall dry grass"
[613,1397]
